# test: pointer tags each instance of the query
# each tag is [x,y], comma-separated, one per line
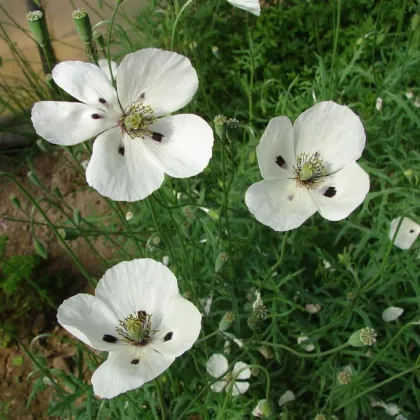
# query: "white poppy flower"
[417,102]
[392,313]
[252,6]
[379,103]
[391,409]
[137,143]
[309,167]
[303,339]
[129,215]
[409,95]
[232,382]
[138,315]
[407,234]
[286,397]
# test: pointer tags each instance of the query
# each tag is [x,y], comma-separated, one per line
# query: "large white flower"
[232,382]
[309,167]
[407,233]
[138,315]
[137,142]
[252,6]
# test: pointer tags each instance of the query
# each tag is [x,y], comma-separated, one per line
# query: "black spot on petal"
[102,100]
[157,136]
[135,361]
[142,96]
[168,336]
[121,150]
[96,116]
[109,338]
[330,192]
[411,230]
[290,197]
[281,162]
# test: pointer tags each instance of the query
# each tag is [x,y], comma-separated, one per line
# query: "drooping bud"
[40,248]
[99,38]
[37,27]
[226,321]
[34,179]
[263,409]
[220,125]
[76,216]
[220,261]
[69,234]
[15,201]
[83,26]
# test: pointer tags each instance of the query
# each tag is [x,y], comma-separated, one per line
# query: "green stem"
[109,41]
[183,8]
[306,355]
[161,399]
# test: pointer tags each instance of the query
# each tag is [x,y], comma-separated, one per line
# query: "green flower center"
[309,170]
[137,119]
[136,329]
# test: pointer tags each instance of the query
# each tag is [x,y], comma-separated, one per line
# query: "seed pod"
[40,248]
[83,26]
[226,321]
[37,27]
[34,179]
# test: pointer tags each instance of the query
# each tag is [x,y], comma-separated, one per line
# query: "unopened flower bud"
[76,216]
[43,145]
[83,26]
[69,234]
[34,179]
[15,201]
[226,321]
[40,248]
[263,409]
[99,38]
[220,125]
[37,27]
[57,192]
[220,261]
[364,337]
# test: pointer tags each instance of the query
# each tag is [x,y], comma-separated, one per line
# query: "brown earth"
[53,171]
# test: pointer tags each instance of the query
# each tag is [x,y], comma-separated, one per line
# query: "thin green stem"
[161,399]
[108,54]
[183,8]
[306,355]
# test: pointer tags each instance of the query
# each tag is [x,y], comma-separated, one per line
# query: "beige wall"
[61,27]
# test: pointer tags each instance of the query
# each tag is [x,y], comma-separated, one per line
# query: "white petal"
[241,371]
[407,234]
[351,185]
[217,365]
[276,150]
[279,204]
[138,285]
[286,397]
[69,123]
[332,130]
[186,145]
[104,66]
[392,313]
[162,79]
[118,374]
[239,388]
[89,319]
[218,386]
[308,347]
[252,6]
[87,83]
[313,308]
[182,321]
[128,177]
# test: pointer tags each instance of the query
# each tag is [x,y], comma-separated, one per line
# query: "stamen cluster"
[136,329]
[136,120]
[309,170]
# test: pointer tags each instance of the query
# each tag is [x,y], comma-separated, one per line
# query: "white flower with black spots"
[232,382]
[407,232]
[308,167]
[139,317]
[252,6]
[137,141]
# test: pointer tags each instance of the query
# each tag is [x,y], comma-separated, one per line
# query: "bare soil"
[54,171]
